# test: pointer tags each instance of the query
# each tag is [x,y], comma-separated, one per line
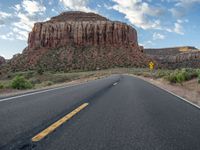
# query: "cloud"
[8,36]
[186,3]
[78,5]
[148,43]
[24,22]
[26,14]
[158,36]
[17,7]
[138,13]
[33,7]
[20,34]
[178,28]
[4,17]
[182,7]
[177,12]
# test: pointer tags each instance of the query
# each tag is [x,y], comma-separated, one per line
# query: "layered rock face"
[78,40]
[177,57]
[81,29]
[2,60]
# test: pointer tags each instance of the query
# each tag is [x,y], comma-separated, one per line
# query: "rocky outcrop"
[2,60]
[84,31]
[169,51]
[177,57]
[77,40]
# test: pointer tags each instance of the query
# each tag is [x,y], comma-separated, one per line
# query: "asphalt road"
[124,113]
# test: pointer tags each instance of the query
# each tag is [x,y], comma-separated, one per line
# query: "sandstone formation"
[83,29]
[78,40]
[176,57]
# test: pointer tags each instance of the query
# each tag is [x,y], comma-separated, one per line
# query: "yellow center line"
[58,123]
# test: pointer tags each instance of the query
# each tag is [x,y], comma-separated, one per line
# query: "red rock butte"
[80,41]
[80,28]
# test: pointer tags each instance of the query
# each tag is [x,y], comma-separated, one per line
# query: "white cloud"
[8,36]
[26,14]
[4,15]
[25,23]
[158,36]
[182,7]
[186,3]
[33,7]
[147,43]
[178,28]
[182,21]
[78,5]
[17,7]
[20,34]
[107,6]
[177,12]
[137,12]
[2,25]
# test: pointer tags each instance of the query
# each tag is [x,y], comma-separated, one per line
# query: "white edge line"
[195,105]
[38,92]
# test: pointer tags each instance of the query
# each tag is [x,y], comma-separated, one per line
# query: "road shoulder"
[72,83]
[186,94]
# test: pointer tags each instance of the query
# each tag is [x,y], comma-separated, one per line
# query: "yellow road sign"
[151,65]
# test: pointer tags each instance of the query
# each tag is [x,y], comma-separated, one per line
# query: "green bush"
[176,78]
[19,82]
[179,76]
[1,86]
[162,73]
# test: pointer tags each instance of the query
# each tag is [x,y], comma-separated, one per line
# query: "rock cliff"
[176,57]
[78,40]
[81,29]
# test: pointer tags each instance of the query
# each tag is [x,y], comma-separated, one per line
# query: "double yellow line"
[58,123]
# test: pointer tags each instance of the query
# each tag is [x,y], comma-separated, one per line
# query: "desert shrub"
[162,73]
[19,82]
[176,77]
[40,71]
[35,81]
[191,73]
[179,76]
[29,74]
[1,86]
[48,83]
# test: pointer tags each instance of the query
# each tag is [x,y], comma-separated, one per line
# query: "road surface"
[121,113]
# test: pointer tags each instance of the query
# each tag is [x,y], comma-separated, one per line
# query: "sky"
[159,23]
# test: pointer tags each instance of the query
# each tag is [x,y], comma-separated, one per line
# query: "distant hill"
[169,51]
[175,57]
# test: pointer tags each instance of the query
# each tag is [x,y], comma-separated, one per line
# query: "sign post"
[151,67]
